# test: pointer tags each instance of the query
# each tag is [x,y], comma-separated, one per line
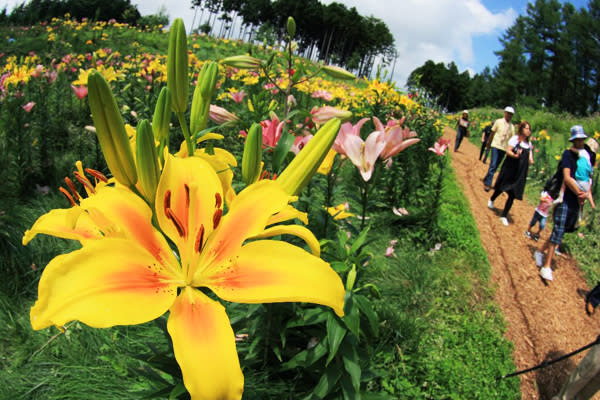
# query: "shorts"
[564,221]
[584,186]
[537,217]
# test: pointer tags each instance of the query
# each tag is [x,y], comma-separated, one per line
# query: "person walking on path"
[502,130]
[540,215]
[513,175]
[485,135]
[566,213]
[462,129]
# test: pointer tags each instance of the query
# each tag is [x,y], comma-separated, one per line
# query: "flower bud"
[111,130]
[323,114]
[243,62]
[351,278]
[302,168]
[148,169]
[177,67]
[162,116]
[291,26]
[337,72]
[203,93]
[220,115]
[252,157]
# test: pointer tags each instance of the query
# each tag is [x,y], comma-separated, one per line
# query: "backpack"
[554,183]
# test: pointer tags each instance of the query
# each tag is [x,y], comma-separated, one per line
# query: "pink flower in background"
[323,114]
[300,142]
[389,251]
[80,91]
[271,131]
[395,137]
[400,211]
[37,72]
[322,94]
[347,129]
[238,97]
[27,107]
[363,154]
[439,148]
[51,76]
[221,115]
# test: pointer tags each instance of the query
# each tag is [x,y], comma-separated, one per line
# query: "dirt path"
[543,322]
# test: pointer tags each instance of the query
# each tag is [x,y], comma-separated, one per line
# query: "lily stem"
[186,133]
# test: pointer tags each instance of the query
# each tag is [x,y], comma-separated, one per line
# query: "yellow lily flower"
[340,211]
[125,273]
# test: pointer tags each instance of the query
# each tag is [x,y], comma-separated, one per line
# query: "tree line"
[36,11]
[550,57]
[332,33]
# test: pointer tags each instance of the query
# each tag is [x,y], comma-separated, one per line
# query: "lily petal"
[204,346]
[67,223]
[269,271]
[105,283]
[248,215]
[189,205]
[296,230]
[288,213]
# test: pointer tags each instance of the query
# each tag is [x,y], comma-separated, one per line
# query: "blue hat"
[577,133]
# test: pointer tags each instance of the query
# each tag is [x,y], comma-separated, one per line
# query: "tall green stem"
[364,192]
[186,133]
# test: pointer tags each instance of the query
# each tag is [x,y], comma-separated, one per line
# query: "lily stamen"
[67,195]
[71,186]
[97,174]
[84,181]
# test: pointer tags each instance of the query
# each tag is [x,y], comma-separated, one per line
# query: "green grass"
[444,331]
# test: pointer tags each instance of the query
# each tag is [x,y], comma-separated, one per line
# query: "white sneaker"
[504,221]
[539,258]
[546,273]
[557,251]
[490,204]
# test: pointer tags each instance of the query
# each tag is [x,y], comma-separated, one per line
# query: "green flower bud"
[148,169]
[302,168]
[177,67]
[243,62]
[252,157]
[162,116]
[111,130]
[337,72]
[203,93]
[291,26]
[351,278]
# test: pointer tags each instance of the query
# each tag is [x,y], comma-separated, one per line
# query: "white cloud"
[438,30]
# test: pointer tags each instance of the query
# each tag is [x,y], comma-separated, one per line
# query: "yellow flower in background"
[557,157]
[126,273]
[596,135]
[340,211]
[89,41]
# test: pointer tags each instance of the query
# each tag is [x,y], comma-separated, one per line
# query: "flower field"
[187,216]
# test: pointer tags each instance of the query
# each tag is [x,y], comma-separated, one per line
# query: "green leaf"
[360,240]
[351,364]
[281,150]
[335,334]
[311,316]
[352,315]
[348,391]
[328,380]
[177,391]
[365,306]
[307,357]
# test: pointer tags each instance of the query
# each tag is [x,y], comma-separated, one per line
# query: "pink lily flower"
[322,94]
[395,137]
[80,91]
[300,142]
[238,97]
[220,115]
[27,107]
[389,251]
[347,129]
[323,114]
[364,154]
[439,148]
[271,131]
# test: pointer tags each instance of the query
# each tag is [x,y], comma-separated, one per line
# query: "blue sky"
[464,31]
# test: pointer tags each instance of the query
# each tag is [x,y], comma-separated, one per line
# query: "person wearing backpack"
[566,213]
[485,135]
[502,130]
